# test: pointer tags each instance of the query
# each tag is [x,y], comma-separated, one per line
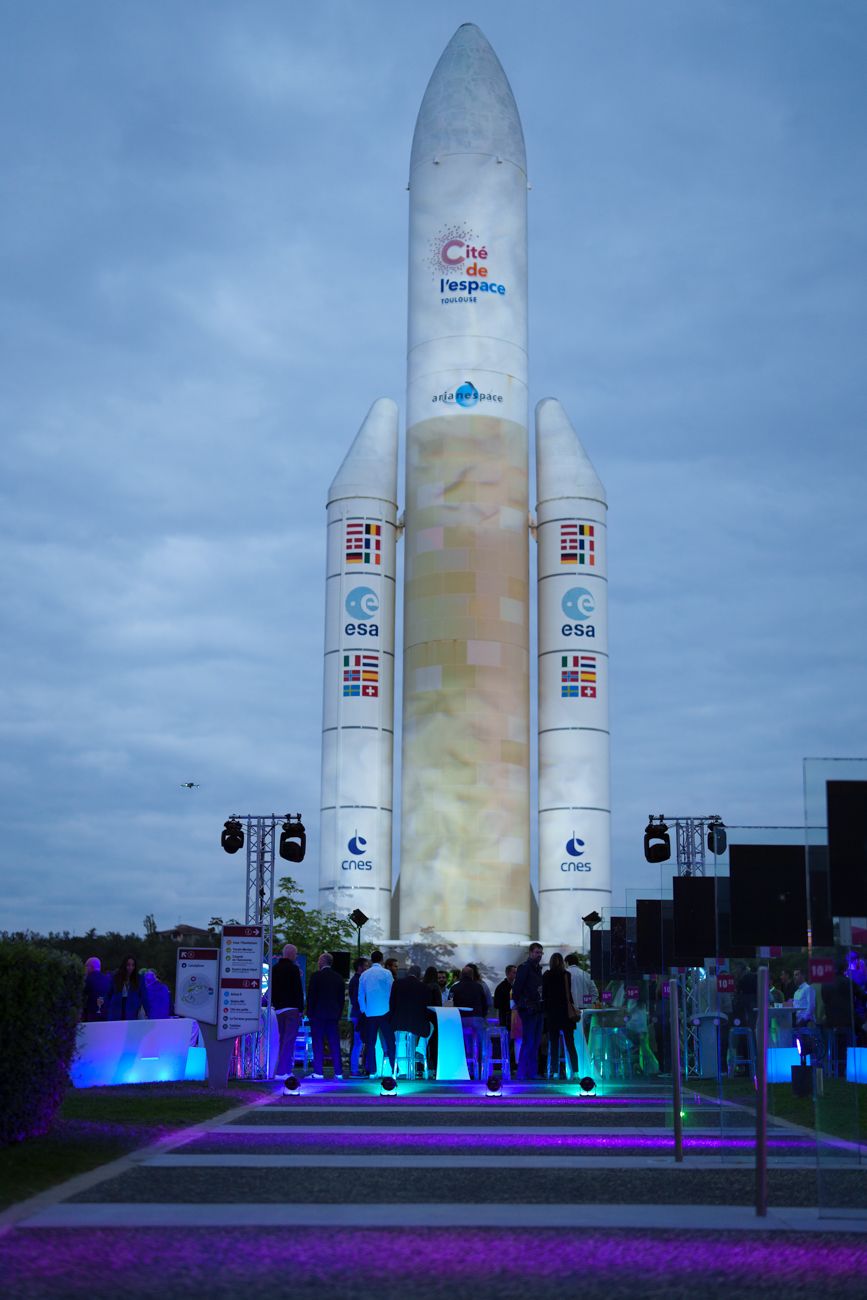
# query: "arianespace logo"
[575,853]
[460,262]
[466,396]
[357,861]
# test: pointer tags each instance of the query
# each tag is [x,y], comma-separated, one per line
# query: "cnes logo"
[575,855]
[357,861]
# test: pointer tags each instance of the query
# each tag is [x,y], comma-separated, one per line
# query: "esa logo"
[356,861]
[362,605]
[578,605]
[575,849]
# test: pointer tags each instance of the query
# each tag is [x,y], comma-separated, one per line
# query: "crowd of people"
[125,994]
[526,1003]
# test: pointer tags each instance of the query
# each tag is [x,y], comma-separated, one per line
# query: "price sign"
[820,970]
[665,986]
[240,992]
[588,1000]
[607,996]
[632,992]
[196,984]
[725,983]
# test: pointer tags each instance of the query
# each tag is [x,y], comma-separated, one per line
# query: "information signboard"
[196,984]
[240,992]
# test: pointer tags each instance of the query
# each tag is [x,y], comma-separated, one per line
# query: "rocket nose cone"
[369,468]
[468,106]
[563,468]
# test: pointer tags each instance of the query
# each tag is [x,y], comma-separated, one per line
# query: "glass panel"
[830,1084]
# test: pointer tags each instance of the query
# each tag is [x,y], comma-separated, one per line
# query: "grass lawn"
[95,1125]
[841,1112]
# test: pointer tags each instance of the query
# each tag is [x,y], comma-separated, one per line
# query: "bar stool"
[474,1049]
[404,1054]
[499,1037]
[742,1050]
[564,1057]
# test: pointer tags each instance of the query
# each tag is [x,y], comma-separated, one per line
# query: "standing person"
[804,1001]
[374,991]
[408,1009]
[287,1002]
[356,1016]
[560,1012]
[432,987]
[128,996]
[469,997]
[503,1008]
[584,990]
[527,994]
[477,976]
[786,985]
[326,995]
[159,1000]
[97,991]
[391,966]
[443,981]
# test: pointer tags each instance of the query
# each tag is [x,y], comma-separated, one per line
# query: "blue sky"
[203,244]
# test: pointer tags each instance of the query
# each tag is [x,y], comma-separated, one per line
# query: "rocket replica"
[464,855]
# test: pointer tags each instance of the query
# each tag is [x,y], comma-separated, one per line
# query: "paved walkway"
[441,1193]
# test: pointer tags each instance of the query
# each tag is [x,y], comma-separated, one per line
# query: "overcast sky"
[203,243]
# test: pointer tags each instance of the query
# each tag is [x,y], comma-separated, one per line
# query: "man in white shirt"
[804,1001]
[374,993]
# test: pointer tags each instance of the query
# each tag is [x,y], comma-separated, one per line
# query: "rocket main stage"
[466,755]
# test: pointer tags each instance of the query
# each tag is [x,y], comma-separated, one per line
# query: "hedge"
[40,1006]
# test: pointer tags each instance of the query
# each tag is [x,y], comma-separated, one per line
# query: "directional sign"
[240,992]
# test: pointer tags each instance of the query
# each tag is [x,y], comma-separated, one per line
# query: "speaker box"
[600,957]
[622,947]
[342,963]
[648,936]
[694,920]
[819,896]
[847,847]
[726,947]
[768,894]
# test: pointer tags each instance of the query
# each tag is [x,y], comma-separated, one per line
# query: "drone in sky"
[189,785]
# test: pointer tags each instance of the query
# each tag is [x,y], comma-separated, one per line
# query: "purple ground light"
[68,1263]
[365,1139]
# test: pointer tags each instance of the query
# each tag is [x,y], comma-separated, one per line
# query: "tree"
[150,926]
[311,930]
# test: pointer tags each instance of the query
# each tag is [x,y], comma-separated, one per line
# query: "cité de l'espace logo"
[461,267]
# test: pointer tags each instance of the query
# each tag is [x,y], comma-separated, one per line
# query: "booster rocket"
[466,751]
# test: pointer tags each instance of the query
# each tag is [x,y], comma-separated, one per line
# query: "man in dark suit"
[503,1008]
[326,995]
[408,1004]
[287,1002]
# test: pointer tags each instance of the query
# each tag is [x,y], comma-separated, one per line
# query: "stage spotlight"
[358,918]
[293,839]
[657,845]
[716,838]
[292,1088]
[495,1086]
[591,919]
[587,1086]
[232,838]
[388,1087]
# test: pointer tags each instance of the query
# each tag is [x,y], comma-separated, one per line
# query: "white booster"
[358,694]
[465,804]
[574,761]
